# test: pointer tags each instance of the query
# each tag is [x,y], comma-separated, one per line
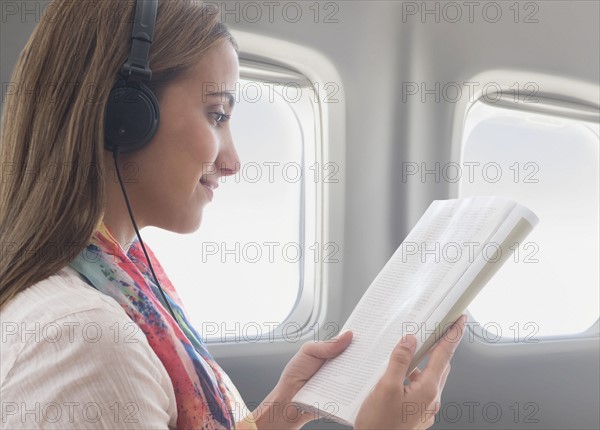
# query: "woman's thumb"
[329,348]
[401,357]
[338,343]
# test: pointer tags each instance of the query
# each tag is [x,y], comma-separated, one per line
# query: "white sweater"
[71,358]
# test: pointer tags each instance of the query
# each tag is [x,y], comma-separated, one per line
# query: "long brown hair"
[52,195]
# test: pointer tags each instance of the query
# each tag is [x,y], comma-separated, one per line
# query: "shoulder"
[54,310]
[57,296]
[73,350]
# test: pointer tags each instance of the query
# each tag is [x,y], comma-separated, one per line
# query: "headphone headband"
[137,65]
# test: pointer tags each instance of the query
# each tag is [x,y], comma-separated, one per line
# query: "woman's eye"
[220,118]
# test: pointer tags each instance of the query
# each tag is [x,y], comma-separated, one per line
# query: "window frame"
[315,308]
[580,104]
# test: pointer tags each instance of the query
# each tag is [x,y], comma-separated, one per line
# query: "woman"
[113,356]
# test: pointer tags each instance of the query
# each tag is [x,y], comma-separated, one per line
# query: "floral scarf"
[204,393]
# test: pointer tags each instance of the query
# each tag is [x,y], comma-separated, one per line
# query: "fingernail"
[337,336]
[340,334]
[411,342]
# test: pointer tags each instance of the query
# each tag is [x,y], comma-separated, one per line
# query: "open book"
[444,262]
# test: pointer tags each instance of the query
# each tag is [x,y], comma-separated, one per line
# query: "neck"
[121,230]
[116,215]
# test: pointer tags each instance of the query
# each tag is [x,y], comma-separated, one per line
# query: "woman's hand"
[275,412]
[393,405]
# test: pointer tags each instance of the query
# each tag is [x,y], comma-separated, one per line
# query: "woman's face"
[193,145]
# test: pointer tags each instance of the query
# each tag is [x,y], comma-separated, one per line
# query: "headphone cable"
[115,156]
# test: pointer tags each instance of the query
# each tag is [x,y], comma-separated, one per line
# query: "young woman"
[87,340]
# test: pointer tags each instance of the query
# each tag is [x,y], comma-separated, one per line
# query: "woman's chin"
[189,224]
[194,225]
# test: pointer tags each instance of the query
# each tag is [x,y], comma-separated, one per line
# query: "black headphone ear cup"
[131,118]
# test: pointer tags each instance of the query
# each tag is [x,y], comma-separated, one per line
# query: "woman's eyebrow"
[229,96]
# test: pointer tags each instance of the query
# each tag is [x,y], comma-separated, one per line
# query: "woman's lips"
[209,187]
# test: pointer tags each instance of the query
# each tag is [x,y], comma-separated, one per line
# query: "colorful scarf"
[204,393]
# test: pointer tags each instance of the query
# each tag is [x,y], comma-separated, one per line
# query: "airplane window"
[549,163]
[242,273]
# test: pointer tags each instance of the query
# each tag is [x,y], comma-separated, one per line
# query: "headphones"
[132,111]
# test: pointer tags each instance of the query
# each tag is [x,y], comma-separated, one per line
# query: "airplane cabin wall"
[375,53]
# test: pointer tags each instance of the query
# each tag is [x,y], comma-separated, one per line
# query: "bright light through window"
[549,164]
[240,274]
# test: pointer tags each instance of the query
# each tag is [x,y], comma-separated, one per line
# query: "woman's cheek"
[207,155]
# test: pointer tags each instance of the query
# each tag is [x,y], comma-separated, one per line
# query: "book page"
[424,267]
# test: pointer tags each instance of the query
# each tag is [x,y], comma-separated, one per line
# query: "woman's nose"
[228,161]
